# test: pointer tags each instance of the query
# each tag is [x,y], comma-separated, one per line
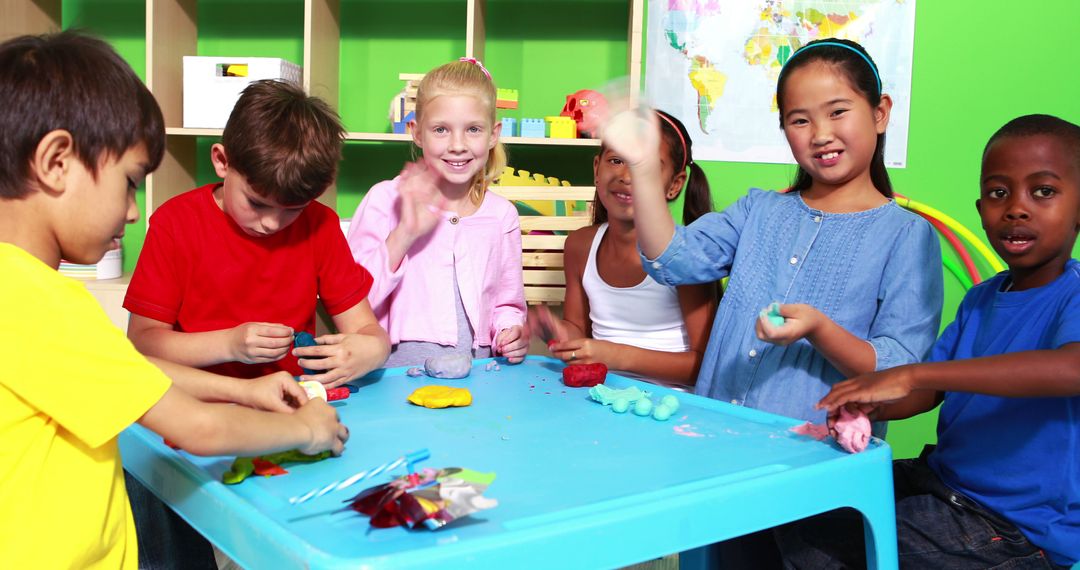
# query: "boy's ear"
[882,112]
[220,160]
[52,160]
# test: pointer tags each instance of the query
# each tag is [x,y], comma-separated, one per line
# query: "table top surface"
[559,458]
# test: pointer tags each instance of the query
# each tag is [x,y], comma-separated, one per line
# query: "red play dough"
[584,375]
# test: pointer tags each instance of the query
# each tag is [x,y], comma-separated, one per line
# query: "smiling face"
[614,189]
[1030,206]
[830,126]
[455,133]
[103,205]
[257,215]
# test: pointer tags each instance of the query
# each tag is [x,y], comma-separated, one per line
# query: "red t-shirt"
[200,272]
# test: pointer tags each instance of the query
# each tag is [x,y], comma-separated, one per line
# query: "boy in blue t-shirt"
[1002,487]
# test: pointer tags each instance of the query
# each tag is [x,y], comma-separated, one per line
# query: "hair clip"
[477,63]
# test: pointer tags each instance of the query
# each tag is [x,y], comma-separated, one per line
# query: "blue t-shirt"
[877,273]
[1019,457]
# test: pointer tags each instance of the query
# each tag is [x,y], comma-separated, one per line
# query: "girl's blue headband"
[807,47]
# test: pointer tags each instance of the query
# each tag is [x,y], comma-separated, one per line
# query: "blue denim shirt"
[877,273]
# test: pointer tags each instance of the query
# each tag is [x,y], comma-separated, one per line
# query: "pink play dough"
[852,430]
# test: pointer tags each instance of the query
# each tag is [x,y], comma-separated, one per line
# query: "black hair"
[1032,125]
[861,71]
[697,199]
[77,83]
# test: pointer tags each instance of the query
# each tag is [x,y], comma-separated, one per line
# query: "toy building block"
[506,99]
[532,128]
[562,127]
[402,127]
[509,127]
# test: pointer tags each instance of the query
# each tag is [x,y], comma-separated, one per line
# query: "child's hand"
[799,321]
[634,135]
[255,343]
[513,343]
[421,202]
[327,433]
[277,392]
[342,357]
[874,389]
[869,409]
[544,325]
[586,351]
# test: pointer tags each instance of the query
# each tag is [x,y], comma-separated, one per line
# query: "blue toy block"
[509,128]
[532,128]
[401,128]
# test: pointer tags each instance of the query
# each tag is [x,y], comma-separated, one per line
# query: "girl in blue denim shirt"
[857,277]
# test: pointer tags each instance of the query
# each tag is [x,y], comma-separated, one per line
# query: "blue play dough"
[304,338]
[454,365]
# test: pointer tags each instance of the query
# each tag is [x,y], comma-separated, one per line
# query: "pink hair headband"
[477,63]
[685,152]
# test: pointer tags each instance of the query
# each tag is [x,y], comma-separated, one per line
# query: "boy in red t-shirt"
[230,270]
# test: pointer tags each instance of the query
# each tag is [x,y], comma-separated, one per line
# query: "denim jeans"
[166,541]
[936,527]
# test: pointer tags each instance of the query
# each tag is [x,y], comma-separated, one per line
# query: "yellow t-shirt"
[70,382]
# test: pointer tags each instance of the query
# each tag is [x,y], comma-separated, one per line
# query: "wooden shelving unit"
[172,32]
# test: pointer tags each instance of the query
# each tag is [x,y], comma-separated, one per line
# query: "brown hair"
[76,83]
[697,199]
[286,143]
[465,78]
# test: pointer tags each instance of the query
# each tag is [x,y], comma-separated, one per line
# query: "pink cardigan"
[416,302]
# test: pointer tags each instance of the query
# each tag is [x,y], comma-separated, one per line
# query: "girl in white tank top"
[614,312]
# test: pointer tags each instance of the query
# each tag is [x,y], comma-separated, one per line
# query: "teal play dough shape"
[620,406]
[643,407]
[608,396]
[772,313]
[661,413]
[671,402]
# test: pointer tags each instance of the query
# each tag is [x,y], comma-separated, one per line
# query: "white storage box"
[210,92]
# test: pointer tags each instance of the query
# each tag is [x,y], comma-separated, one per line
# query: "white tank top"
[646,315]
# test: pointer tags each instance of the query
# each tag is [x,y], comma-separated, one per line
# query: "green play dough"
[661,413]
[773,314]
[671,402]
[608,396]
[620,406]
[643,407]
[243,467]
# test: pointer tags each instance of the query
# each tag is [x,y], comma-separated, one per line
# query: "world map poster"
[714,64]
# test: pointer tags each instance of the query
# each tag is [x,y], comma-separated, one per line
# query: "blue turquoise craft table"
[578,485]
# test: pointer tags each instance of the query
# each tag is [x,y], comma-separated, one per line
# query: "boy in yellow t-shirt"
[80,131]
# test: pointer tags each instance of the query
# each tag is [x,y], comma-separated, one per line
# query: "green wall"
[974,69]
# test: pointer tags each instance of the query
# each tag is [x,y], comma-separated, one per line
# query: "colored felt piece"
[268,465]
[440,397]
[455,365]
[584,375]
